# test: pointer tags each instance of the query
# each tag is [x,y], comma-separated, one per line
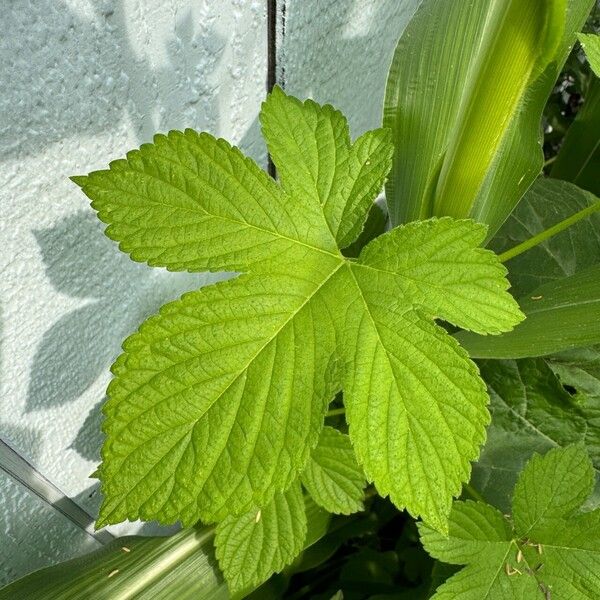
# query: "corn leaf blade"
[466,125]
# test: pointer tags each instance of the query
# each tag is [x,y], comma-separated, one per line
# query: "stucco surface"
[26,522]
[340,52]
[83,81]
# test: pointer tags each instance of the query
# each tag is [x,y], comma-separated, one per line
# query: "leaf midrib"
[203,211]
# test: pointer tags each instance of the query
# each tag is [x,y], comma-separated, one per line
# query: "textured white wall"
[339,51]
[83,81]
[33,534]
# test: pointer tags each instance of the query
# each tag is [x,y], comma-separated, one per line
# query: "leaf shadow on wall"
[73,76]
[112,301]
[80,262]
[340,51]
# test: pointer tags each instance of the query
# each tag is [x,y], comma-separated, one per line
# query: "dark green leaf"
[547,203]
[561,314]
[579,157]
[531,412]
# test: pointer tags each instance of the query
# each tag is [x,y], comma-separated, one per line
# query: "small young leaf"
[253,546]
[482,538]
[551,487]
[332,475]
[550,551]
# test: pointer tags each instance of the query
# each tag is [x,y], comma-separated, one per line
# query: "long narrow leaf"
[182,566]
[561,314]
[464,99]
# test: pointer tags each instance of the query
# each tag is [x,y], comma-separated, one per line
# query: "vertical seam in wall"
[271,44]
[280,37]
[271,63]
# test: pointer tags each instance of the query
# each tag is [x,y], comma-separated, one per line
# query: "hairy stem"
[548,233]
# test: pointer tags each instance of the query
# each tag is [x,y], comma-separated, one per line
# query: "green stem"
[550,161]
[548,233]
[471,491]
[335,411]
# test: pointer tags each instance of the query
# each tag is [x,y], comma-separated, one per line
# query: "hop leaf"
[253,546]
[219,399]
[548,549]
[332,476]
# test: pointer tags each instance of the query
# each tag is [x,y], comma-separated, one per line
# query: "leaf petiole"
[335,411]
[548,233]
[471,491]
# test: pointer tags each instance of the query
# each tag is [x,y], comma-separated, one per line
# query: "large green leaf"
[561,314]
[182,566]
[579,157]
[219,399]
[464,99]
[531,412]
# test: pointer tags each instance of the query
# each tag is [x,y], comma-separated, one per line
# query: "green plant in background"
[216,412]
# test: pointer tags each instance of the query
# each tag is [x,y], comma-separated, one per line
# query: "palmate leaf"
[547,550]
[219,399]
